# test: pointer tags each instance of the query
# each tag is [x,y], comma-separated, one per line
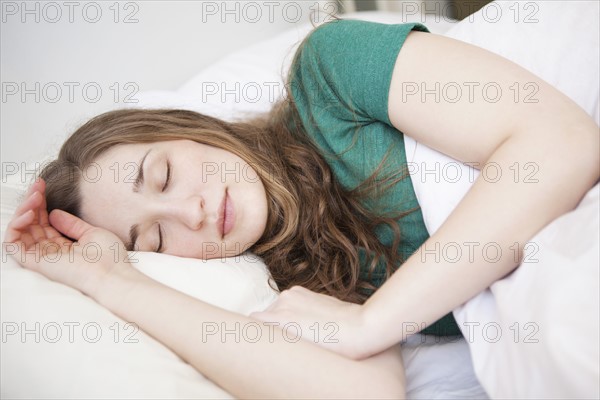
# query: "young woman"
[318,188]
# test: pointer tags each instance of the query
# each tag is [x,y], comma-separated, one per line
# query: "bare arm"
[554,134]
[252,360]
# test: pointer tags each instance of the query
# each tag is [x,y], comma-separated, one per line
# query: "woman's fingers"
[68,224]
[27,240]
[52,233]
[32,216]
[16,225]
[30,253]
[31,202]
[27,220]
[36,229]
[34,198]
[30,194]
[42,211]
[21,221]
[33,257]
[37,232]
[33,187]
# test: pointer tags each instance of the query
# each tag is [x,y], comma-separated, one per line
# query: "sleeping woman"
[318,187]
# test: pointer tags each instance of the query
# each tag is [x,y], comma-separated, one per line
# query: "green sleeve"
[348,65]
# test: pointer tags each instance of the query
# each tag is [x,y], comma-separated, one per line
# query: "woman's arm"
[247,358]
[250,359]
[504,116]
[553,134]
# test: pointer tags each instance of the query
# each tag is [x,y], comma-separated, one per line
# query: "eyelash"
[165,186]
[160,239]
[168,179]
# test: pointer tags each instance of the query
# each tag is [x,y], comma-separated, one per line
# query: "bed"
[522,337]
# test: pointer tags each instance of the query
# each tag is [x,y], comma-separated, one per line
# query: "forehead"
[124,152]
[116,169]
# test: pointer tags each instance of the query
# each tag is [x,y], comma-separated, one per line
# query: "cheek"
[250,174]
[261,211]
[212,174]
[193,246]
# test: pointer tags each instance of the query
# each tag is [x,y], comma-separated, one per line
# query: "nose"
[189,211]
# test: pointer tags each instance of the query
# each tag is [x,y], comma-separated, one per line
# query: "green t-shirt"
[340,81]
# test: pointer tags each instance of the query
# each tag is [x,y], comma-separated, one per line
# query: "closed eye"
[160,240]
[165,186]
[168,177]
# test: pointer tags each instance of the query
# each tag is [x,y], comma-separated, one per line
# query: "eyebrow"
[139,179]
[137,184]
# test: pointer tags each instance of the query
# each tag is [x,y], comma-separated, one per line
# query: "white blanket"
[535,333]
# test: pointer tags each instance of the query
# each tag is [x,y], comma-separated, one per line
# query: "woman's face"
[176,197]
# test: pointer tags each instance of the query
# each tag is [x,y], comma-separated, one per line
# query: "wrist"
[362,337]
[371,329]
[114,287]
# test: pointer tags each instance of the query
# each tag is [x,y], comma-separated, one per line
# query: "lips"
[228,215]
[226,219]
[221,218]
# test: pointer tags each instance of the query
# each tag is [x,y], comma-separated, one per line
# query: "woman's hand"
[35,239]
[325,320]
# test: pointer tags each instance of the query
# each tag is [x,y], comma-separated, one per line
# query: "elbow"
[381,381]
[377,389]
[586,153]
[372,384]
[594,151]
[572,144]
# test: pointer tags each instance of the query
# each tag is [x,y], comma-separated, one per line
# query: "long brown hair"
[316,230]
